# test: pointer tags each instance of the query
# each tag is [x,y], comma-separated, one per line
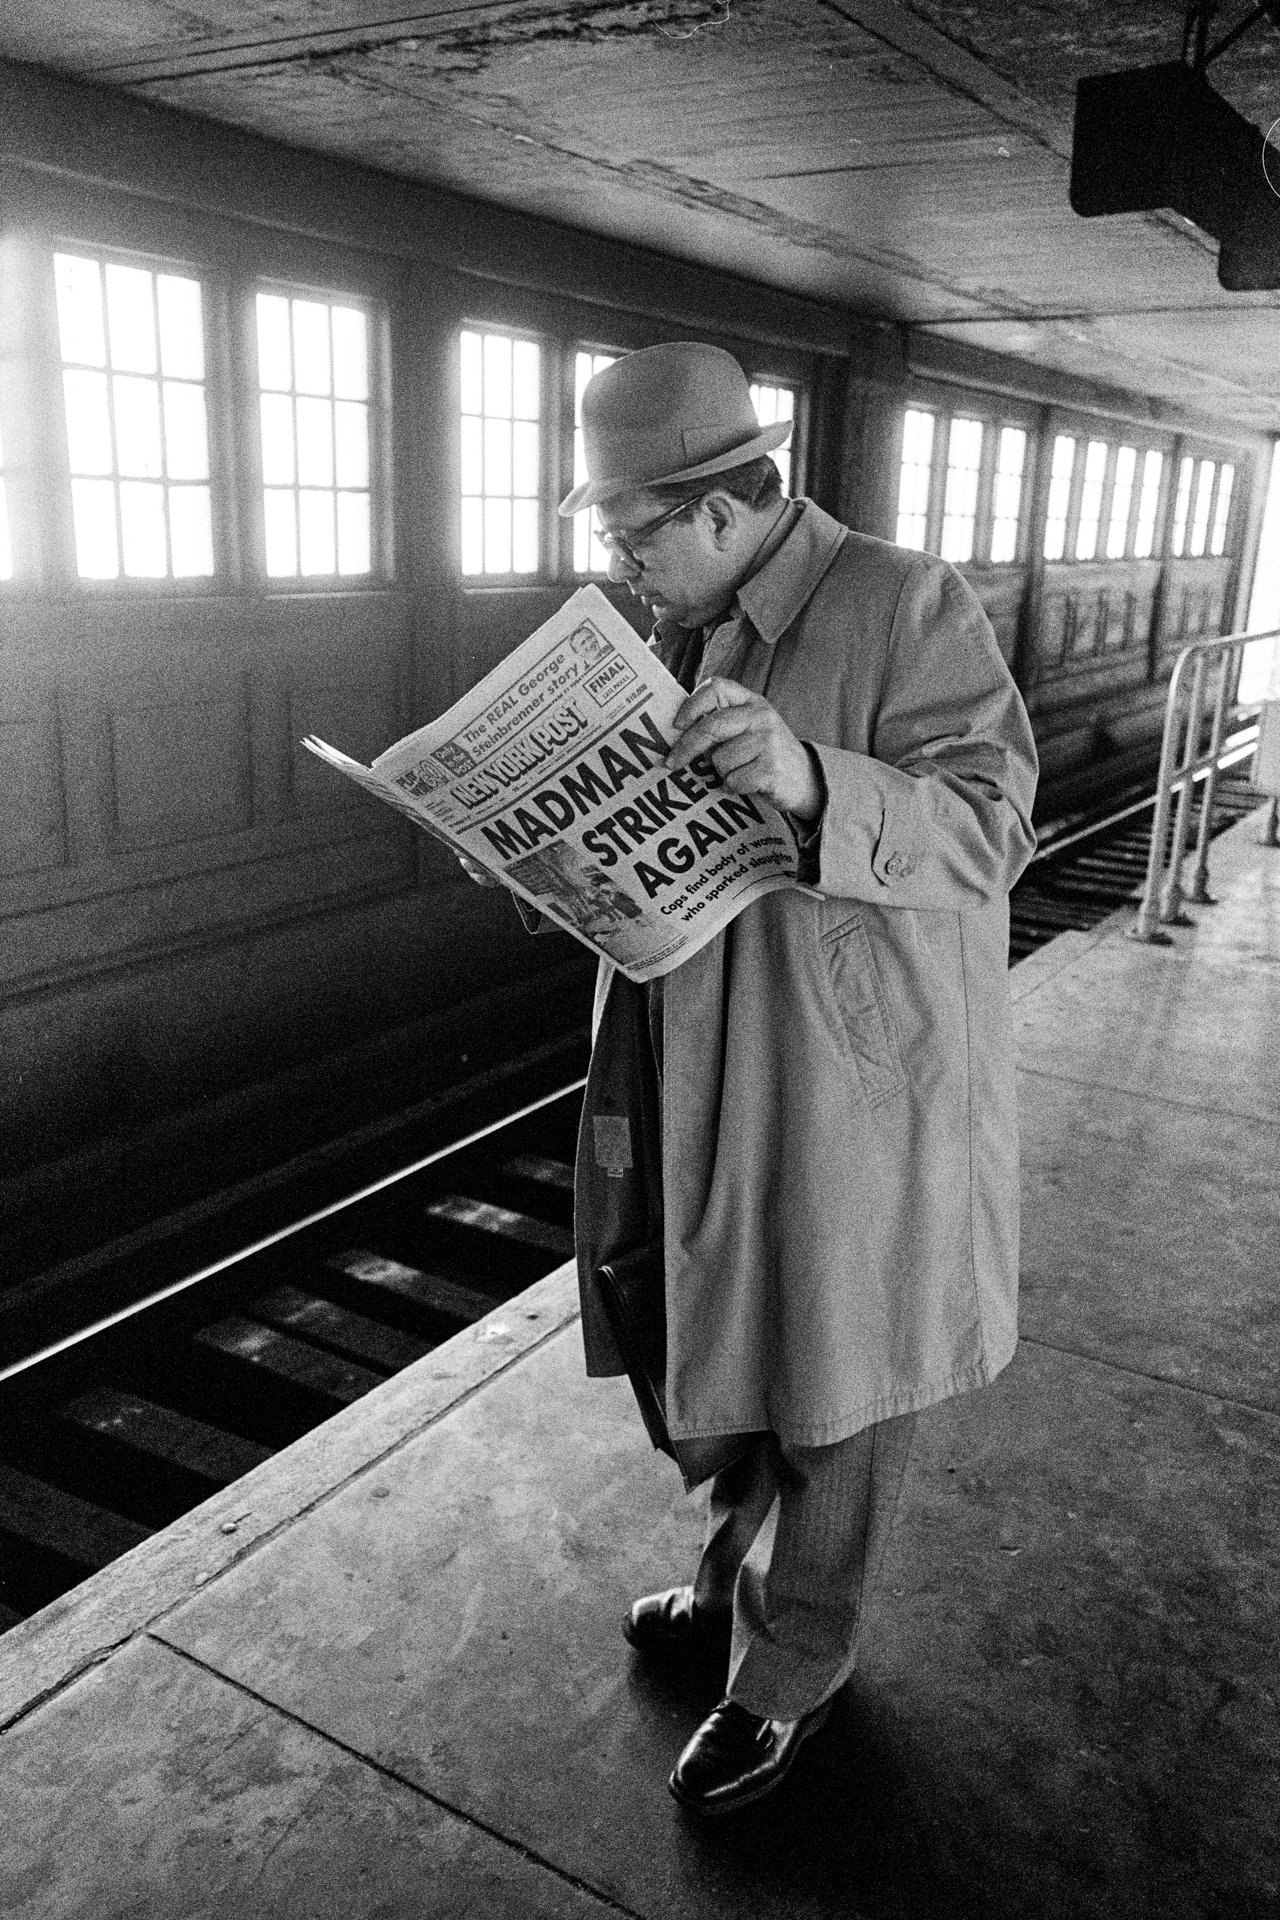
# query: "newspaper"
[551,774]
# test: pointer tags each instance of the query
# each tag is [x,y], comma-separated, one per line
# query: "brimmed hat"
[677,412]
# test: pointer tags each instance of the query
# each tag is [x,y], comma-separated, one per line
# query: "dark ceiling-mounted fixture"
[1161,137]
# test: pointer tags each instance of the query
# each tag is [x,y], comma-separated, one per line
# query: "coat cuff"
[869,833]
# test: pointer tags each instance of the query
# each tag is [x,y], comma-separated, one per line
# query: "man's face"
[687,570]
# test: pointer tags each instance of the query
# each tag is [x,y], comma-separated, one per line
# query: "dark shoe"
[735,1757]
[670,1626]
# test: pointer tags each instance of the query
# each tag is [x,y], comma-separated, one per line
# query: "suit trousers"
[795,1536]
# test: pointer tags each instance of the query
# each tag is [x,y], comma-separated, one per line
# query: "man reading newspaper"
[813,1116]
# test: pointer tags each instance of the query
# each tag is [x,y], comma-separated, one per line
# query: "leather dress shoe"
[736,1757]
[671,1626]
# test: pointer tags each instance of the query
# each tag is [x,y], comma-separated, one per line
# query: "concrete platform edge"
[46,1653]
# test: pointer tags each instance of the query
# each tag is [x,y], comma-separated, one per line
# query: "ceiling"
[905,158]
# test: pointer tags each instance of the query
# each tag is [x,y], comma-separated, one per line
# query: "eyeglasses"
[624,543]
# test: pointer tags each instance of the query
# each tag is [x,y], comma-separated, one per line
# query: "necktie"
[723,651]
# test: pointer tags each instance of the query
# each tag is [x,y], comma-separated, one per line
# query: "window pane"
[1225,481]
[497,536]
[497,457]
[79,291]
[1144,538]
[497,375]
[1055,526]
[1200,519]
[190,531]
[6,549]
[525,380]
[88,423]
[501,448]
[181,327]
[472,378]
[310,347]
[315,443]
[472,456]
[1007,500]
[131,319]
[277,440]
[317,551]
[524,460]
[186,433]
[473,536]
[350,354]
[1095,467]
[137,405]
[524,554]
[275,360]
[282,532]
[964,457]
[353,533]
[93,506]
[1185,471]
[588,555]
[351,423]
[773,404]
[1121,500]
[913,481]
[142,529]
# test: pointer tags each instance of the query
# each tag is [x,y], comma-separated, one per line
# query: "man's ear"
[723,510]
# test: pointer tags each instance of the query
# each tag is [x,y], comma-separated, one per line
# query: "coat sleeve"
[938,815]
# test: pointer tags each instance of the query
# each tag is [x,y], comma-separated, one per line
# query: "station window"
[1148,499]
[501,453]
[960,504]
[773,404]
[913,481]
[588,555]
[6,546]
[1200,513]
[1226,479]
[1095,467]
[1185,471]
[1121,502]
[1055,526]
[1011,458]
[313,380]
[133,382]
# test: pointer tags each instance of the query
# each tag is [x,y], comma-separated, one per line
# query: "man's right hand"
[481,875]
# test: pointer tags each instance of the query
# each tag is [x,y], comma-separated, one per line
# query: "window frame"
[381,572]
[1114,432]
[993,419]
[218,388]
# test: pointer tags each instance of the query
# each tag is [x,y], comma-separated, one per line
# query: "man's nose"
[621,567]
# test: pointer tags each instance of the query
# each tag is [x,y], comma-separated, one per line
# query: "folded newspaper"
[551,773]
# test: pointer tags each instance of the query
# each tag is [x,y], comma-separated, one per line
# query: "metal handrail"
[1164,904]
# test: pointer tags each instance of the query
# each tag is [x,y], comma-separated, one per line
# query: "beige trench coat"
[839,1157]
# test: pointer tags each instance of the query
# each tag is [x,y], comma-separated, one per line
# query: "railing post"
[1200,893]
[1171,908]
[1270,833]
[1147,926]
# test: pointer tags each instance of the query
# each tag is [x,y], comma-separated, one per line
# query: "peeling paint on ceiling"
[909,161]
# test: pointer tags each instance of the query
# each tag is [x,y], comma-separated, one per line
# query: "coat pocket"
[864,1011]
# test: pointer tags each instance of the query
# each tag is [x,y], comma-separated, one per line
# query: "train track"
[121,1427]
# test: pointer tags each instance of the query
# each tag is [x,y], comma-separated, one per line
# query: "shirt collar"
[778,589]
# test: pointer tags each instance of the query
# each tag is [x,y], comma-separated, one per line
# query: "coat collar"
[777,592]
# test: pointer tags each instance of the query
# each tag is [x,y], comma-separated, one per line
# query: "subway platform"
[383,1676]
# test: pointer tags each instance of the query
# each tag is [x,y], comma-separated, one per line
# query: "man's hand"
[474,871]
[751,747]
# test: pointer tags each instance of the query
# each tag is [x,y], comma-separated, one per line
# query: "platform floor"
[383,1676]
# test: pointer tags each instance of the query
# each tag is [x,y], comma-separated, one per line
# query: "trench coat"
[831,1156]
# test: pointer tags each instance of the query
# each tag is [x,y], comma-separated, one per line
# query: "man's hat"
[677,412]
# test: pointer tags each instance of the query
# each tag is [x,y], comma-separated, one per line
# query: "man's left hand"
[750,745]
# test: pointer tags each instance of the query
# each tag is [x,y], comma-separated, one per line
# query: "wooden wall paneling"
[1002,591]
[33,826]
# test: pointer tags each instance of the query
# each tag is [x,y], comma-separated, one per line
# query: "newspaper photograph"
[551,773]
